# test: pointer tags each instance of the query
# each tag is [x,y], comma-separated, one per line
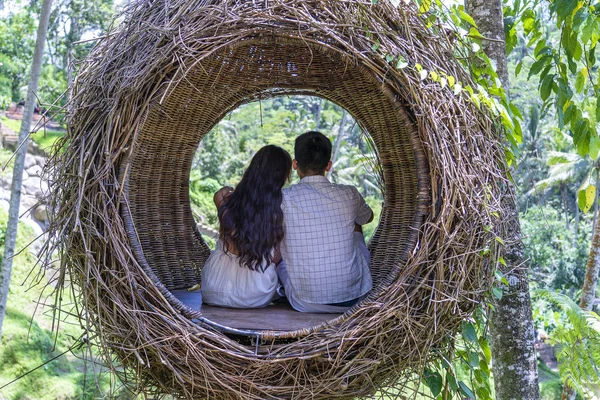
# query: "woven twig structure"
[121,217]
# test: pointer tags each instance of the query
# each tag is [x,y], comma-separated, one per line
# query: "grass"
[6,163]
[27,344]
[44,138]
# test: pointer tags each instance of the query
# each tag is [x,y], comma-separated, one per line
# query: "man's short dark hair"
[312,151]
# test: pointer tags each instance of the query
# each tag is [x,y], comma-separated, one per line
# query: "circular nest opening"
[222,158]
[121,214]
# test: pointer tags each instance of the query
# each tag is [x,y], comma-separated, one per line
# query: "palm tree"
[566,170]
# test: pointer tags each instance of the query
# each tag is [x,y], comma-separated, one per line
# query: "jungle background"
[549,172]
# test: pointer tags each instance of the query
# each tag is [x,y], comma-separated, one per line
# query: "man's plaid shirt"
[323,261]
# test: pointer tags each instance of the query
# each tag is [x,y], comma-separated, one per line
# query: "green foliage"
[555,254]
[44,138]
[488,91]
[207,185]
[201,196]
[565,68]
[466,373]
[376,204]
[578,342]
[51,85]
[17,38]
[70,21]
[551,386]
[563,35]
[26,346]
[551,390]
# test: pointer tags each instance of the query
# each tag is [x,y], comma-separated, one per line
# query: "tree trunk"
[17,180]
[490,23]
[568,393]
[563,194]
[514,361]
[576,227]
[511,323]
[318,114]
[338,142]
[72,37]
[596,201]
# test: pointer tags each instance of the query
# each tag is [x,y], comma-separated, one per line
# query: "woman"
[240,273]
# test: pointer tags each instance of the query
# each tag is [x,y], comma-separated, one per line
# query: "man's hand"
[221,194]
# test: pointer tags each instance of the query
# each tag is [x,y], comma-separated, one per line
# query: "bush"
[208,185]
[555,254]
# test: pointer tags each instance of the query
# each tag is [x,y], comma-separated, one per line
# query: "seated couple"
[305,239]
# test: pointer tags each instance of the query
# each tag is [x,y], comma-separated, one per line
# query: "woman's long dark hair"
[251,217]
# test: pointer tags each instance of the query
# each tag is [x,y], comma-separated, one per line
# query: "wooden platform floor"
[276,317]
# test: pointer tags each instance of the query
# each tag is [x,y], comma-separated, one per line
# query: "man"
[325,264]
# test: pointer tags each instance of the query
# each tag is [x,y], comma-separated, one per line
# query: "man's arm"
[221,194]
[364,214]
[370,218]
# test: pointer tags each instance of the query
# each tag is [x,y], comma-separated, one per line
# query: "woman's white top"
[228,284]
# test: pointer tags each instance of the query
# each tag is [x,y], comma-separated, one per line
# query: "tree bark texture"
[568,393]
[72,37]
[590,281]
[488,16]
[511,323]
[597,173]
[338,142]
[565,200]
[318,114]
[17,179]
[514,359]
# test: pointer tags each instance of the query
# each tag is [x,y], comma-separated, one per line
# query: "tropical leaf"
[578,344]
[559,157]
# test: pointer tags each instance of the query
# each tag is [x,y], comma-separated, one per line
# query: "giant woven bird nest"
[141,104]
